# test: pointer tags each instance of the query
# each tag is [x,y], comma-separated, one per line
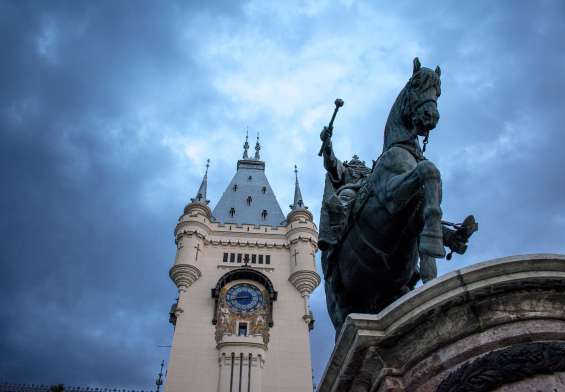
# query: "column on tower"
[241,369]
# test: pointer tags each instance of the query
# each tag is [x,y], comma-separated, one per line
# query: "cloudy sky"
[109,109]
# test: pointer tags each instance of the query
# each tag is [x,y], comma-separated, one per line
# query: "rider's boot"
[431,237]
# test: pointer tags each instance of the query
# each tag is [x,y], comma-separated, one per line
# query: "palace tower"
[244,273]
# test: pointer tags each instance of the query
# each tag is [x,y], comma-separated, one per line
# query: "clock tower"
[244,273]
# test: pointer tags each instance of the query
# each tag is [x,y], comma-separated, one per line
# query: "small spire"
[159,381]
[298,201]
[246,145]
[201,194]
[257,149]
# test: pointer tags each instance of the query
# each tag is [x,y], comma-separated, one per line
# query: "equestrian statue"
[377,222]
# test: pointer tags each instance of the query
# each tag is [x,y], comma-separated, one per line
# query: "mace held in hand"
[338,103]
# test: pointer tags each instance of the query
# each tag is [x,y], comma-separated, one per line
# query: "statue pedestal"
[497,325]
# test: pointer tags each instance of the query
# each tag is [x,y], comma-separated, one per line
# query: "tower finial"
[298,201]
[246,145]
[257,149]
[159,381]
[201,194]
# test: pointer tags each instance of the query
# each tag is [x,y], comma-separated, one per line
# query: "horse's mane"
[396,130]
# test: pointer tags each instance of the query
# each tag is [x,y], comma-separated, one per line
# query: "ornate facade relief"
[229,317]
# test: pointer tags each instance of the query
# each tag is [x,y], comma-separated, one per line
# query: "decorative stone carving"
[506,366]
[228,318]
[305,281]
[184,275]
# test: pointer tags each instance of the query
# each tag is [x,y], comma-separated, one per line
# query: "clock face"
[244,298]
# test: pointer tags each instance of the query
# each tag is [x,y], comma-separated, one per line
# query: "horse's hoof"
[432,245]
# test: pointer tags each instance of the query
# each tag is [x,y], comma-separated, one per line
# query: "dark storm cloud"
[80,250]
[518,189]
[87,208]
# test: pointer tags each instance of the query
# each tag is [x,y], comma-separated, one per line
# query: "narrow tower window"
[249,178]
[253,259]
[264,189]
[232,212]
[268,259]
[264,214]
[260,259]
[234,187]
[239,257]
[249,200]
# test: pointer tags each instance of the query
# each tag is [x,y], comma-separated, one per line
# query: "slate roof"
[251,182]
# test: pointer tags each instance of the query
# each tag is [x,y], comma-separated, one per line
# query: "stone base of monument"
[494,326]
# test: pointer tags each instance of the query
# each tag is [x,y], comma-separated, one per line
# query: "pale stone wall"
[197,361]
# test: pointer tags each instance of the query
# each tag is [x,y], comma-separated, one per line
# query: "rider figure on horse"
[343,181]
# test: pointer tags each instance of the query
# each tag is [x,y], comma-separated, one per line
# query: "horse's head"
[422,91]
[415,110]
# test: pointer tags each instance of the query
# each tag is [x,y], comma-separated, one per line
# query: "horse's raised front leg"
[431,237]
[401,188]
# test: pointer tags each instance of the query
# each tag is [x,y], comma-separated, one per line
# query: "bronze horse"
[395,217]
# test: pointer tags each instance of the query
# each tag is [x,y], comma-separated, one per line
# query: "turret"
[190,232]
[303,239]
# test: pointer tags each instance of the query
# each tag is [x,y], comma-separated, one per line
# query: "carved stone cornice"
[301,230]
[308,239]
[300,214]
[247,244]
[304,281]
[197,208]
[184,275]
[190,227]
[255,266]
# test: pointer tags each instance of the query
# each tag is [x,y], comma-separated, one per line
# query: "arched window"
[232,212]
[249,200]
[264,214]
[264,189]
[234,187]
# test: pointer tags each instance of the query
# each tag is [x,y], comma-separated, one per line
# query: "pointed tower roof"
[298,211]
[201,194]
[249,198]
[298,201]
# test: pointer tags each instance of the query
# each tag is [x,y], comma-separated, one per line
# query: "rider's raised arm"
[331,163]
